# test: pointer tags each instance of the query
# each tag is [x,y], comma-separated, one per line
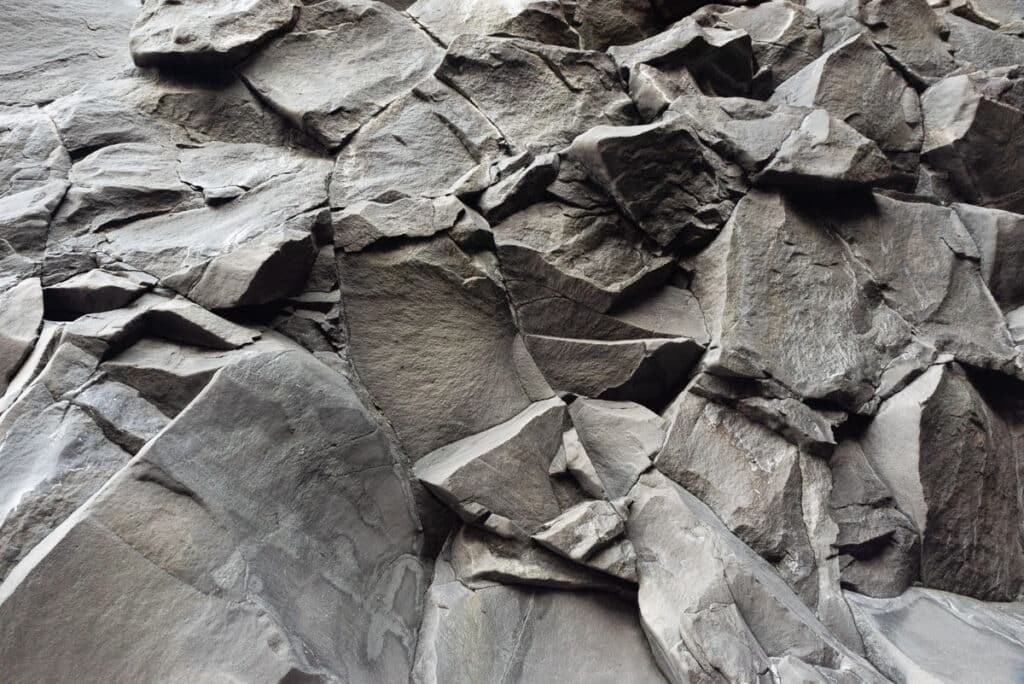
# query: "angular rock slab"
[205,33]
[243,536]
[446,362]
[499,477]
[503,633]
[712,608]
[926,635]
[998,235]
[350,44]
[950,462]
[694,190]
[572,90]
[539,20]
[21,316]
[911,35]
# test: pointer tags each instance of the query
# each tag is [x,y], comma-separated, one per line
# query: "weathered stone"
[689,202]
[978,47]
[499,477]
[348,43]
[1000,239]
[582,530]
[21,316]
[620,439]
[32,150]
[855,83]
[89,292]
[719,57]
[749,476]
[220,554]
[539,20]
[712,609]
[364,223]
[573,90]
[968,137]
[927,635]
[125,418]
[471,371]
[205,34]
[518,190]
[504,633]
[911,35]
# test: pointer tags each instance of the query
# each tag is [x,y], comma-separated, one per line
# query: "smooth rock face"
[205,34]
[511,341]
[215,546]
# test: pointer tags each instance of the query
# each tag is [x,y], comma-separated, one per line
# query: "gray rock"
[603,23]
[503,633]
[499,477]
[712,609]
[718,57]
[90,292]
[53,47]
[749,476]
[125,418]
[927,635]
[362,224]
[574,89]
[978,47]
[204,34]
[969,523]
[855,83]
[581,531]
[471,372]
[539,20]
[349,43]
[965,137]
[32,150]
[688,203]
[213,552]
[620,439]
[518,190]
[442,137]
[911,35]
[998,236]
[42,351]
[21,316]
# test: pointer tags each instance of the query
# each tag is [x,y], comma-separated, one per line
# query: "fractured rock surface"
[512,341]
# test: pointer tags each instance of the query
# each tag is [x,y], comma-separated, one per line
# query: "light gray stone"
[581,531]
[21,317]
[90,292]
[539,20]
[620,439]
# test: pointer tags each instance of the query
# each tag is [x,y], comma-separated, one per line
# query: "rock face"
[512,342]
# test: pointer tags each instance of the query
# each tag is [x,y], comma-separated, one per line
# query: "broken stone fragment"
[911,35]
[999,236]
[519,189]
[573,90]
[539,20]
[582,530]
[21,317]
[855,83]
[694,189]
[978,47]
[362,224]
[501,473]
[125,418]
[89,292]
[536,635]
[718,57]
[348,43]
[204,33]
[620,439]
[448,312]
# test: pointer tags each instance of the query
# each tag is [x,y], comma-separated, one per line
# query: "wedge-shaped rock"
[89,292]
[446,362]
[749,476]
[911,35]
[968,136]
[372,53]
[582,530]
[499,477]
[620,439]
[364,223]
[1000,239]
[719,57]
[21,316]
[978,47]
[25,219]
[594,258]
[603,23]
[931,636]
[825,152]
[647,371]
[54,46]
[125,418]
[881,553]
[574,89]
[443,136]
[204,33]
[855,83]
[152,109]
[694,189]
[32,150]
[714,610]
[505,633]
[969,523]
[220,533]
[539,20]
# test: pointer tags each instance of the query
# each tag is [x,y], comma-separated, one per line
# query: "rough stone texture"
[677,341]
